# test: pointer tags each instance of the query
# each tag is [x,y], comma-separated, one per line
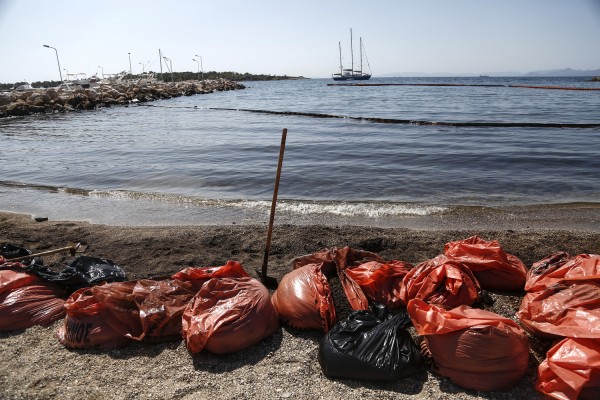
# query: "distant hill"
[565,72]
[551,72]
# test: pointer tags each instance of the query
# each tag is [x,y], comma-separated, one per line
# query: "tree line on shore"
[175,77]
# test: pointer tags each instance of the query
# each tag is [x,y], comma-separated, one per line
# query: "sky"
[297,38]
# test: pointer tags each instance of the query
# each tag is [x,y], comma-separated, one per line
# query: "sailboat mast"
[351,51]
[341,66]
[361,56]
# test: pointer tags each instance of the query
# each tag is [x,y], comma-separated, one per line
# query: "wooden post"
[273,205]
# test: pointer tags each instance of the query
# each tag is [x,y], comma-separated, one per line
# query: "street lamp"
[201,68]
[102,71]
[60,73]
[130,64]
[197,62]
[142,68]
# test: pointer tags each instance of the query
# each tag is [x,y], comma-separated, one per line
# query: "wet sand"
[34,365]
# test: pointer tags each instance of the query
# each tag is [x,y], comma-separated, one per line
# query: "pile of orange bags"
[221,309]
[457,276]
[303,298]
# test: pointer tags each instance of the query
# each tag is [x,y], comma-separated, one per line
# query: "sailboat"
[348,74]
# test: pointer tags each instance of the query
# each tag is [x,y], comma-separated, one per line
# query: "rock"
[53,94]
[4,100]
[75,100]
[92,94]
[37,109]
[37,100]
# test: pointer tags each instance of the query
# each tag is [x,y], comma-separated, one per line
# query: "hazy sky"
[297,38]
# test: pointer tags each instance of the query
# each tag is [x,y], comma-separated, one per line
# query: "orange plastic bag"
[228,315]
[440,280]
[14,276]
[381,282]
[198,275]
[563,309]
[303,299]
[476,349]
[111,315]
[26,300]
[346,259]
[560,267]
[571,370]
[493,268]
[325,258]
[340,260]
[27,306]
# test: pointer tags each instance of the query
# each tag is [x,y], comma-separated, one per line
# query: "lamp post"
[143,71]
[197,62]
[201,68]
[102,71]
[56,51]
[130,64]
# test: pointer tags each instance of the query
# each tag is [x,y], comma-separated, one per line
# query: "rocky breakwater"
[72,97]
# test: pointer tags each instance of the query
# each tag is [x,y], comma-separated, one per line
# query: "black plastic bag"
[366,346]
[82,272]
[9,250]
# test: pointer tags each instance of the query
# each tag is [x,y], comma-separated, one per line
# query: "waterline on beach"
[124,208]
[181,210]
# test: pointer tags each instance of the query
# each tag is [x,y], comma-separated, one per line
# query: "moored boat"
[346,74]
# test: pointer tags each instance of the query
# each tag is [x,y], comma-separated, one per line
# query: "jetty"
[66,98]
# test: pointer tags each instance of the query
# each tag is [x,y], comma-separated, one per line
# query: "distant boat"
[350,74]
[23,86]
[80,81]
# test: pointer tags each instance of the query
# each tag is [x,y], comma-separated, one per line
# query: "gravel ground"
[34,365]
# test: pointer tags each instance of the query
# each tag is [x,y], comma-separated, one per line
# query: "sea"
[403,149]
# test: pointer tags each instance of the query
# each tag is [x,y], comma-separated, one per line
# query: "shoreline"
[150,210]
[285,365]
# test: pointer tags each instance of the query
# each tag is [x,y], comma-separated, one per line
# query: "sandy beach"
[34,365]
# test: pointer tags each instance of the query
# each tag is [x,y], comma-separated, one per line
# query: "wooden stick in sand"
[268,281]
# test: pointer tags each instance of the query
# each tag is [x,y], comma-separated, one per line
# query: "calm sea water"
[187,160]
